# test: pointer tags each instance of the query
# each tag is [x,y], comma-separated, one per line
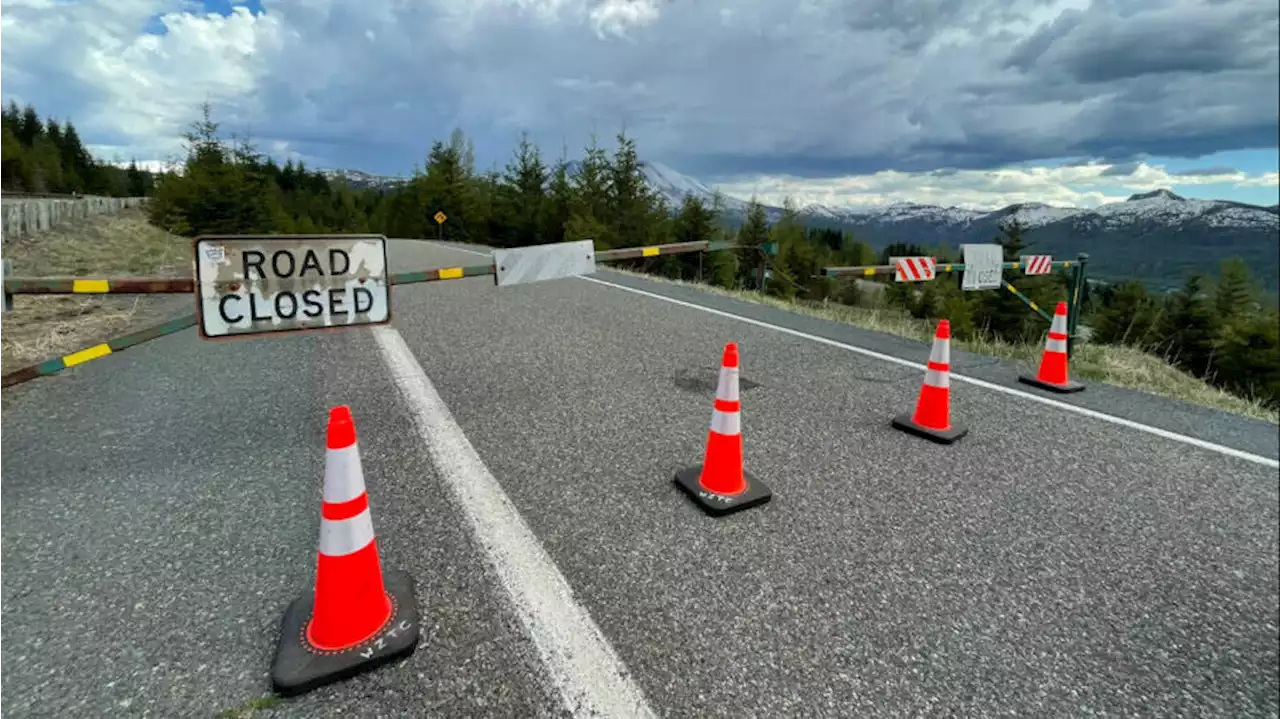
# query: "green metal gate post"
[1075,289]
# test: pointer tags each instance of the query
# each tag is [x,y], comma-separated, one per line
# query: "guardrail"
[7,194]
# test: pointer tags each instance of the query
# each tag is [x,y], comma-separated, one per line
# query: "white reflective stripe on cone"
[340,537]
[1052,345]
[729,423]
[728,387]
[1059,324]
[934,378]
[343,476]
[941,352]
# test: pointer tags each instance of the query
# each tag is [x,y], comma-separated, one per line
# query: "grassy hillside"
[1116,365]
[124,244]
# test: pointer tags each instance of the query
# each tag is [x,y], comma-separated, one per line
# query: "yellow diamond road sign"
[440,217]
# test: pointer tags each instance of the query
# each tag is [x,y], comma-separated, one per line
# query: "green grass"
[251,707]
[121,245]
[1119,366]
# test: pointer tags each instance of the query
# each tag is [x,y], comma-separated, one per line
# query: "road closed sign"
[983,267]
[253,285]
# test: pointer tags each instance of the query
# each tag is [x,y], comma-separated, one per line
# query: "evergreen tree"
[1235,293]
[522,197]
[1247,360]
[29,127]
[1187,328]
[1127,317]
[13,171]
[696,222]
[752,236]
[590,216]
[722,268]
[797,260]
[636,215]
[448,186]
[559,203]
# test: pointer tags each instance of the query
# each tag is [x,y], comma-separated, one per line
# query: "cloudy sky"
[957,102]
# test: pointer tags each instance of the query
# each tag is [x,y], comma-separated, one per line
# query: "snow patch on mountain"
[1169,208]
[1037,214]
[157,167]
[362,180]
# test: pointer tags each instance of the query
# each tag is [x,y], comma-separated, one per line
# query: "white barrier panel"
[522,265]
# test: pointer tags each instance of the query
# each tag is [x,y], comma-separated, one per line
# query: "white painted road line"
[1202,444]
[1121,421]
[590,678]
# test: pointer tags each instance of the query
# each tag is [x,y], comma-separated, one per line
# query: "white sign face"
[983,267]
[538,263]
[251,285]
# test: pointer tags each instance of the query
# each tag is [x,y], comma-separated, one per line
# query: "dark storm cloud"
[1207,171]
[1122,170]
[818,88]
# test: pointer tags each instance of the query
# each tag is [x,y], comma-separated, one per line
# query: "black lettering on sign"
[312,300]
[335,301]
[364,292]
[253,258]
[310,262]
[334,255]
[222,310]
[716,497]
[293,305]
[381,644]
[253,309]
[276,264]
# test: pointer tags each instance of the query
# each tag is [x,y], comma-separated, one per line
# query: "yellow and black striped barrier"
[97,351]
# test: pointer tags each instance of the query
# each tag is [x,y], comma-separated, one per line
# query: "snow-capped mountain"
[1160,206]
[360,180]
[1158,237]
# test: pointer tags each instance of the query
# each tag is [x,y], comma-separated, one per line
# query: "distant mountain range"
[1157,237]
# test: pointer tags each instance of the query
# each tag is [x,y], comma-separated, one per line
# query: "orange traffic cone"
[720,485]
[357,618]
[1053,362]
[932,418]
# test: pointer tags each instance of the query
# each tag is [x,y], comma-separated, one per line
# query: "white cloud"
[614,17]
[1072,186]
[805,87]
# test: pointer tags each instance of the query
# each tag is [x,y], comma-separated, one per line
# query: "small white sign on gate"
[983,267]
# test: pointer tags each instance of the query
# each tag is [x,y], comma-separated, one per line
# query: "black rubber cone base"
[941,436]
[300,667]
[720,504]
[1059,388]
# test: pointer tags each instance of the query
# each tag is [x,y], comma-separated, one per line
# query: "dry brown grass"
[1120,366]
[121,245]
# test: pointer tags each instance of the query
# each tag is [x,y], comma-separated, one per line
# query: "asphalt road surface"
[1106,553]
